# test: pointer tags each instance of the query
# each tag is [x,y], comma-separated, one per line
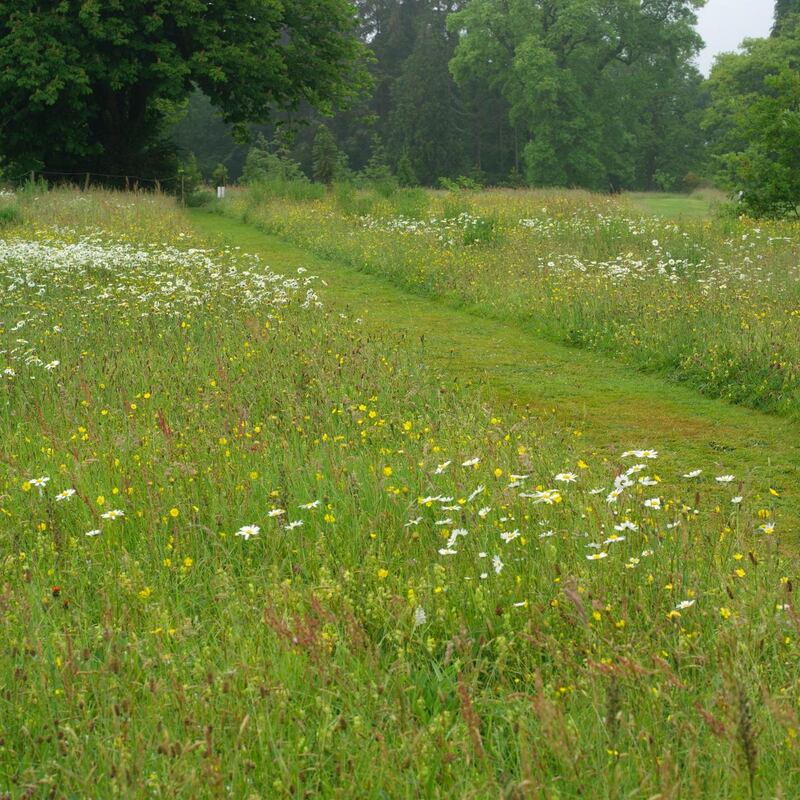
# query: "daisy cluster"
[446,231]
[89,278]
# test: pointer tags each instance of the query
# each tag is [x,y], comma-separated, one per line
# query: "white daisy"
[641,453]
[548,496]
[247,531]
[475,493]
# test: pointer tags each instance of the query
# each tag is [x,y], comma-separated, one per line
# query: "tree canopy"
[783,10]
[590,82]
[97,81]
[596,93]
[601,94]
[754,121]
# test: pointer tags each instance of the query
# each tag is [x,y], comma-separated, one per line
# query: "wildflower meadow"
[712,302]
[252,549]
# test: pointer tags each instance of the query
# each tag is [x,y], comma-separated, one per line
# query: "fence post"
[86,183]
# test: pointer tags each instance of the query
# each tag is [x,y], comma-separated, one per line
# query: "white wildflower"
[247,531]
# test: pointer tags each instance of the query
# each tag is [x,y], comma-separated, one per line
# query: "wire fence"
[130,182]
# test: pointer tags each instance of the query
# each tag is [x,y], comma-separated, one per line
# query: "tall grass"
[714,303]
[460,613]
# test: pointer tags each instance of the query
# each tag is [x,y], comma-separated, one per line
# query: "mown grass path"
[612,406]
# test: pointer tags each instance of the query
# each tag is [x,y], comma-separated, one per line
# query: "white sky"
[724,23]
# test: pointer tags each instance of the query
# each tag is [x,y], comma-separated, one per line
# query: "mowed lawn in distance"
[253,547]
[698,204]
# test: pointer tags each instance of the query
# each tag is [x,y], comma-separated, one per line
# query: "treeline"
[601,94]
[588,93]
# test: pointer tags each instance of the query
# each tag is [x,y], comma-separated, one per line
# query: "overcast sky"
[724,23]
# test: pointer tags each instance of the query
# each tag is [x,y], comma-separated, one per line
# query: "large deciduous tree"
[783,10]
[580,76]
[89,84]
[754,121]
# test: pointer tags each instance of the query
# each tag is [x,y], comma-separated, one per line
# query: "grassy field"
[254,546]
[697,205]
[711,303]
[604,403]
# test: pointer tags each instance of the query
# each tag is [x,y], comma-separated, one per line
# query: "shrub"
[199,198]
[406,176]
[461,183]
[693,181]
[220,175]
[270,161]
[666,181]
[326,155]
[10,214]
[189,178]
